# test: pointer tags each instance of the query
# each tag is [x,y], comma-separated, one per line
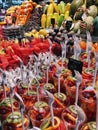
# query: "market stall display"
[49,71]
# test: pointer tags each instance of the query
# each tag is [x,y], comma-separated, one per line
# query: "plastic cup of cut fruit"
[87,99]
[5,107]
[55,80]
[50,87]
[14,122]
[87,75]
[29,99]
[51,72]
[83,58]
[21,89]
[39,112]
[69,116]
[70,86]
[59,105]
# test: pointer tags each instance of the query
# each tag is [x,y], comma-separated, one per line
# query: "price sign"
[75,65]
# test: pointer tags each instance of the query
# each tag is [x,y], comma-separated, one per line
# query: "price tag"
[75,65]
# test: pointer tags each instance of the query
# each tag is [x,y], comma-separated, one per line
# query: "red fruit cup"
[87,75]
[70,86]
[65,73]
[31,98]
[69,117]
[58,124]
[58,107]
[83,58]
[51,72]
[21,89]
[50,87]
[39,113]
[87,100]
[36,81]
[89,126]
[65,62]
[15,122]
[62,86]
[5,107]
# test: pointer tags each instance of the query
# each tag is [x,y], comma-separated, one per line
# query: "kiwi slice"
[92,125]
[48,86]
[64,71]
[90,70]
[62,96]
[46,124]
[24,86]
[72,109]
[32,93]
[34,81]
[41,104]
[6,102]
[15,118]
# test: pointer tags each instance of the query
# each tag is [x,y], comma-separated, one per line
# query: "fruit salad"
[5,107]
[14,121]
[88,102]
[39,112]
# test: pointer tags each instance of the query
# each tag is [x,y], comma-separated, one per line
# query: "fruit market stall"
[49,66]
